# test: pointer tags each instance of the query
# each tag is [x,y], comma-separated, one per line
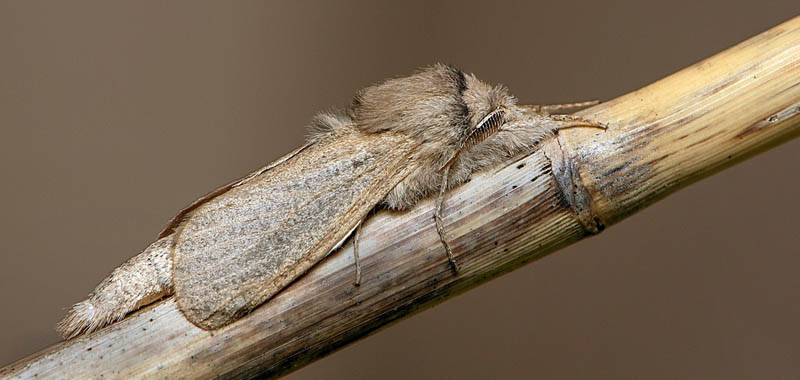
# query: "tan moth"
[398,142]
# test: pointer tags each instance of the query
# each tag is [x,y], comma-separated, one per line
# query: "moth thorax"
[487,127]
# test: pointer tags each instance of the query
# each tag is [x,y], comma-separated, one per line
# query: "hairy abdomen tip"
[80,319]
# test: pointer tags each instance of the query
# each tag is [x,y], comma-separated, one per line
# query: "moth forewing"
[180,216]
[241,247]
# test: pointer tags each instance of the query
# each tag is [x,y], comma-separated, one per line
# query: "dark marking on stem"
[566,172]
[771,119]
[657,160]
[707,138]
[617,168]
[788,88]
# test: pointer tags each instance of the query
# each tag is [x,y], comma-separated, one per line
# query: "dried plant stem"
[662,137]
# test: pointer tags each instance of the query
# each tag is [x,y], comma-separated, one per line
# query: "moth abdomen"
[139,281]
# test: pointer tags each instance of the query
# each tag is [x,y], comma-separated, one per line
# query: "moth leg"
[547,109]
[437,216]
[569,121]
[355,253]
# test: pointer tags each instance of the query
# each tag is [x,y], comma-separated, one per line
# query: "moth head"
[445,110]
[456,123]
[490,108]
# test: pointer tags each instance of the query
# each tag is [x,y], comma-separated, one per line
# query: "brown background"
[115,116]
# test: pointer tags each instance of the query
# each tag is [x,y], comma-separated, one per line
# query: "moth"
[398,142]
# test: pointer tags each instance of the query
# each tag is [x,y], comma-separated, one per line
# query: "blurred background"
[116,115]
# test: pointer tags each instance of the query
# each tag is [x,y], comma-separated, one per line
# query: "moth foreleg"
[569,121]
[550,108]
[355,253]
[437,216]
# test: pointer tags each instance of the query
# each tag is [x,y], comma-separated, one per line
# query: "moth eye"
[487,127]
